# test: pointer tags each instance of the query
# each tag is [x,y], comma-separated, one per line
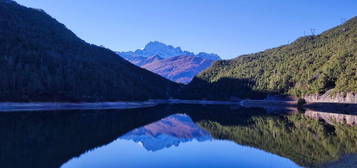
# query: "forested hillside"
[310,65]
[41,60]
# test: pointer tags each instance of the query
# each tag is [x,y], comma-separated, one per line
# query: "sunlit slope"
[309,65]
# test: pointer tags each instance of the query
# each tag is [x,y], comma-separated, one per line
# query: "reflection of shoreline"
[332,117]
[267,103]
[344,108]
[348,161]
[329,112]
[342,113]
[48,106]
[274,106]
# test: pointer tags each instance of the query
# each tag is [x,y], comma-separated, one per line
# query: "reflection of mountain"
[170,131]
[49,139]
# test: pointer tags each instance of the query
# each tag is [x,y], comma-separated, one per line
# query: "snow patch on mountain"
[155,48]
[168,132]
[170,62]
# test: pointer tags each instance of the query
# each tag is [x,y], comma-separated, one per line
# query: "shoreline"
[47,106]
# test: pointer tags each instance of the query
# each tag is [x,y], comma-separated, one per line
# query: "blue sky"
[226,27]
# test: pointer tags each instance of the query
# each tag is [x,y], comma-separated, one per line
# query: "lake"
[210,136]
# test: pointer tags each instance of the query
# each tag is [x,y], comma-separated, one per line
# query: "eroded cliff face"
[337,98]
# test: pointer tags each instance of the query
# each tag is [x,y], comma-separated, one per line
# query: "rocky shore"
[333,98]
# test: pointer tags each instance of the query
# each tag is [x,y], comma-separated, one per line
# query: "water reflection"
[332,118]
[193,154]
[49,139]
[175,141]
[180,135]
[170,131]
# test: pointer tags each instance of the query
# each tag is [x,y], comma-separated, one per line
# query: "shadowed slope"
[180,68]
[41,60]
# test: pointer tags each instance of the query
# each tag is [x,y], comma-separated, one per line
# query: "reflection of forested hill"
[49,139]
[307,142]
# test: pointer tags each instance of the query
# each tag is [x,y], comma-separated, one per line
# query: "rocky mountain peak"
[168,132]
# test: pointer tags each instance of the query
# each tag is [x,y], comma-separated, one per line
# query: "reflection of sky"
[216,153]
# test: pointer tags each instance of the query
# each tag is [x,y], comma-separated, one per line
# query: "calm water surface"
[173,136]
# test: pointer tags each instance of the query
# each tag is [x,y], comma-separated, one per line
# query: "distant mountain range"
[168,132]
[170,62]
[41,60]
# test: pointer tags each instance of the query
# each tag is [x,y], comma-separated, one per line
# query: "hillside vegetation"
[41,60]
[309,143]
[309,65]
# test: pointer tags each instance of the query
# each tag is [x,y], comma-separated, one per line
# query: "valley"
[66,102]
